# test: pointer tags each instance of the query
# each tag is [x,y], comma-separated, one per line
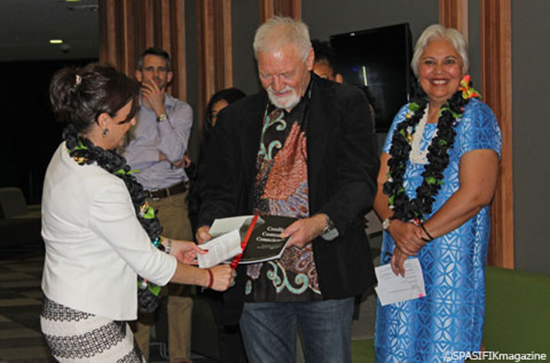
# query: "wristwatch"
[386,224]
[330,224]
[162,117]
[330,232]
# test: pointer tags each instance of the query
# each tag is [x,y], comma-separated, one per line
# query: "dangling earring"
[105,132]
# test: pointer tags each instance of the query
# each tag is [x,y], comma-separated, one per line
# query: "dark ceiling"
[26,27]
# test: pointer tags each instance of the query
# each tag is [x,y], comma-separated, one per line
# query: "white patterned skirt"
[75,336]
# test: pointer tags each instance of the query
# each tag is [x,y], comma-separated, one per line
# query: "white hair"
[280,31]
[436,31]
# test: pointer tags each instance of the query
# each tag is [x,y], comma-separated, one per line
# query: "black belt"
[166,192]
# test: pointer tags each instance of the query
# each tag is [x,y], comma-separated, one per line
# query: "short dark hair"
[229,95]
[324,53]
[79,96]
[158,52]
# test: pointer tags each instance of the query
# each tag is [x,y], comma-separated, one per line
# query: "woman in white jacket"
[99,231]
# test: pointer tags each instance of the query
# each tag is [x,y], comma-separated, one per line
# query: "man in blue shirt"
[156,148]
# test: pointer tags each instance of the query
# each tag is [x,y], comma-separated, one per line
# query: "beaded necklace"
[450,114]
[84,152]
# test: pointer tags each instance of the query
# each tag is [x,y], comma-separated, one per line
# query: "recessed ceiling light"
[56,41]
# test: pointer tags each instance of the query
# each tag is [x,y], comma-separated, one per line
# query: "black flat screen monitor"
[378,60]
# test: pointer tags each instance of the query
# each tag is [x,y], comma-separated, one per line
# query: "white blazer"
[95,246]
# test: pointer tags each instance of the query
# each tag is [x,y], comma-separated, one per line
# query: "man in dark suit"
[303,148]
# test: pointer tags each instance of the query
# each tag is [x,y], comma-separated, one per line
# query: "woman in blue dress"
[438,174]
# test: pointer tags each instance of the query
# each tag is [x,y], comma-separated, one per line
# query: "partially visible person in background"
[226,313]
[438,174]
[156,148]
[324,64]
[370,97]
[100,232]
[325,67]
[217,103]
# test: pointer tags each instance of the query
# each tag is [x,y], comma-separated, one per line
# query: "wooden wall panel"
[128,27]
[496,88]
[165,25]
[226,44]
[127,48]
[496,74]
[454,14]
[206,55]
[269,8]
[178,53]
[149,24]
[107,31]
[215,50]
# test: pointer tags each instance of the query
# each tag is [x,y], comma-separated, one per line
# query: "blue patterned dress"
[450,317]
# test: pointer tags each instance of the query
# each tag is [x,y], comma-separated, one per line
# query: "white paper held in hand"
[226,225]
[220,249]
[394,288]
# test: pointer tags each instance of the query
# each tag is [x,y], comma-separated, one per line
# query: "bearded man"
[305,148]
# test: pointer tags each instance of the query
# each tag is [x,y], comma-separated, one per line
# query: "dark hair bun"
[79,96]
[63,88]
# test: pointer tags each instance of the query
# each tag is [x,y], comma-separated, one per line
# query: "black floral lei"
[418,208]
[84,152]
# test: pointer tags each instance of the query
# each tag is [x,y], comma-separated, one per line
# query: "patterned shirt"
[281,188]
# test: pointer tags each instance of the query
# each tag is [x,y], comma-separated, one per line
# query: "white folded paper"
[226,225]
[220,249]
[394,288]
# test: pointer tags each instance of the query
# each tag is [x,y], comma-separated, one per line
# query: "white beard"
[287,102]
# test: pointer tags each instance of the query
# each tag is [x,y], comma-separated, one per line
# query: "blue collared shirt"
[169,137]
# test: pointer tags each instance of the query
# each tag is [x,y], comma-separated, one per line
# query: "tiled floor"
[21,299]
[20,304]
